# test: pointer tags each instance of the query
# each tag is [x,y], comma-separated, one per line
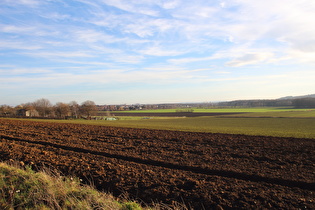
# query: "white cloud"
[161,51]
[167,4]
[95,36]
[139,29]
[289,20]
[7,44]
[124,58]
[189,60]
[249,58]
[160,42]
[134,6]
[63,54]
[55,16]
[300,56]
[31,3]
[16,29]
[16,71]
[149,27]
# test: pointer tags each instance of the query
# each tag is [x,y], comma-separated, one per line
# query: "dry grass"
[47,189]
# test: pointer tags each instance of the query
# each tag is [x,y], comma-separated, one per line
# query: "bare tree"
[62,110]
[74,109]
[6,110]
[43,106]
[88,108]
[28,105]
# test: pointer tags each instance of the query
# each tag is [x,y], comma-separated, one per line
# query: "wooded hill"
[307,101]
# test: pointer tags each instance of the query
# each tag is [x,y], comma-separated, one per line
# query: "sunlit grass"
[144,118]
[297,114]
[26,189]
[282,122]
[216,110]
[282,127]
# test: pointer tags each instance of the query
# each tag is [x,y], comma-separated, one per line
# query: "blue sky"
[155,51]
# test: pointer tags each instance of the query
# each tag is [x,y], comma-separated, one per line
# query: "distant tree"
[304,103]
[88,108]
[6,110]
[27,106]
[62,110]
[74,109]
[43,106]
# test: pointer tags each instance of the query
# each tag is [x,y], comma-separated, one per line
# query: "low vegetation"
[279,124]
[26,189]
[280,127]
[287,114]
[218,109]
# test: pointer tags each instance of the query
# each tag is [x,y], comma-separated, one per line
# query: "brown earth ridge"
[201,170]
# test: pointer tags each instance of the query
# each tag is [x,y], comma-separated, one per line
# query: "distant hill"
[306,101]
[297,97]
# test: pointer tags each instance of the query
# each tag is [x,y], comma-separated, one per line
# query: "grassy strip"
[297,114]
[143,118]
[26,189]
[216,110]
[280,127]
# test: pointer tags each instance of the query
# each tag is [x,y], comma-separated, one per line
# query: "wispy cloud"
[189,60]
[5,44]
[138,7]
[31,3]
[159,51]
[250,58]
[92,36]
[63,54]
[10,70]
[147,43]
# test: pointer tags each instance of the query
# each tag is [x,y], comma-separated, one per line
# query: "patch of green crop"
[296,114]
[281,127]
[216,110]
[266,126]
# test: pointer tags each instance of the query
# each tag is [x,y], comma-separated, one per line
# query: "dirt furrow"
[202,170]
[199,170]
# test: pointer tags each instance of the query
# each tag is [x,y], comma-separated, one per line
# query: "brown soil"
[202,170]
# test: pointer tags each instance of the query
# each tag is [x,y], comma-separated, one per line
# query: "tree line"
[296,103]
[45,109]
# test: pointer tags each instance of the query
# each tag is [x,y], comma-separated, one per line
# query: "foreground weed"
[25,189]
[131,206]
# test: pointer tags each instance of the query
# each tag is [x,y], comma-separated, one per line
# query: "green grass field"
[281,122]
[254,109]
[296,114]
[282,127]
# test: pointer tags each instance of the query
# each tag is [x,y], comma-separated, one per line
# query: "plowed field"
[200,169]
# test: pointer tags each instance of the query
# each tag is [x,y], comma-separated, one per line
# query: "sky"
[155,51]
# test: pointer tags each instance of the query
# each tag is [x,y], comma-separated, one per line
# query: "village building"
[27,113]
